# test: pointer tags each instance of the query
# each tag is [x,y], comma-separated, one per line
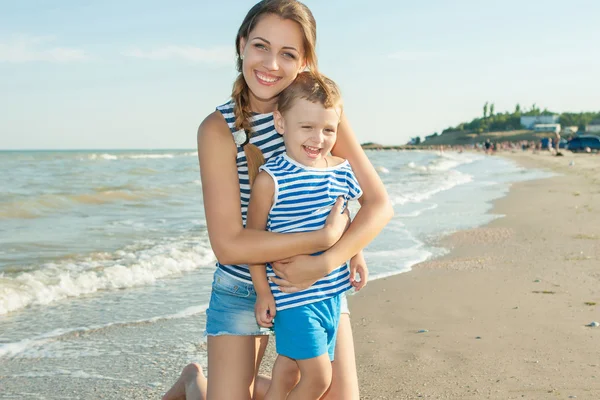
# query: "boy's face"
[309,131]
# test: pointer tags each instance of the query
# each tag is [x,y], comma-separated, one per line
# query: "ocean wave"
[418,212]
[14,348]
[400,195]
[406,258]
[112,157]
[79,374]
[123,269]
[47,203]
[445,162]
[143,171]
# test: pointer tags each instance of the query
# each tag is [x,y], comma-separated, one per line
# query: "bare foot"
[191,385]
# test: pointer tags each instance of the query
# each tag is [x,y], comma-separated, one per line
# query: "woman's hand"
[299,272]
[358,265]
[264,309]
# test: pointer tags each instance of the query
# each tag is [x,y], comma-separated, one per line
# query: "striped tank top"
[266,138]
[302,201]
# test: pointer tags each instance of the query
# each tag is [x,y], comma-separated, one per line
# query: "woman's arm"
[231,243]
[302,271]
[375,211]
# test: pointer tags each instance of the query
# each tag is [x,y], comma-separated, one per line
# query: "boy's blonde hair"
[314,87]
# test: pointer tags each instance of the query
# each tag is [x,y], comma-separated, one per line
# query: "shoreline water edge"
[404,324]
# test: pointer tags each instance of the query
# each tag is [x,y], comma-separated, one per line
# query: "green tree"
[492,110]
[485,110]
[518,109]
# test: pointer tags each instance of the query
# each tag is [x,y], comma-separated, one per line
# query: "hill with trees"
[506,124]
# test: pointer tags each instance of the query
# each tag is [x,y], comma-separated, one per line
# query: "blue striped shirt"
[302,201]
[270,142]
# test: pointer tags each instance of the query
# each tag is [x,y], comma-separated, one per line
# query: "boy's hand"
[358,265]
[264,310]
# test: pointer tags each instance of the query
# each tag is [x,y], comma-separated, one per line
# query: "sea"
[106,265]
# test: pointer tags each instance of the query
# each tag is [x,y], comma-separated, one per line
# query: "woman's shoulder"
[214,127]
[334,161]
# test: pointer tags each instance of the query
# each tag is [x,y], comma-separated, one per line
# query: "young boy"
[294,192]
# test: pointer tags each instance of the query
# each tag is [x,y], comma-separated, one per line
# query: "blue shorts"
[231,307]
[308,331]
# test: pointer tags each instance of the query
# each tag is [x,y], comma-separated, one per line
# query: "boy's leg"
[285,376]
[344,382]
[315,378]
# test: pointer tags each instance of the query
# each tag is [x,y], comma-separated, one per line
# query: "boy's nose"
[318,136]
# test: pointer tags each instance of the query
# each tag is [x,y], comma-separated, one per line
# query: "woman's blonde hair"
[286,9]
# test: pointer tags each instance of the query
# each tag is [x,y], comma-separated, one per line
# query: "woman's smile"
[265,78]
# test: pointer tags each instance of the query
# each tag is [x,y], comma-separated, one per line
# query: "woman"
[275,42]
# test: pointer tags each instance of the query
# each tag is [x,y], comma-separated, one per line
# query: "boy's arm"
[358,265]
[261,200]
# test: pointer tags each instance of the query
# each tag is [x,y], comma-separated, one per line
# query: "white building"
[569,130]
[547,128]
[593,127]
[529,121]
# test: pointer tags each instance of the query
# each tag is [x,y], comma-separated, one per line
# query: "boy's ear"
[278,122]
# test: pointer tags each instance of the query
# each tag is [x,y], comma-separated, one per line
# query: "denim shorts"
[231,307]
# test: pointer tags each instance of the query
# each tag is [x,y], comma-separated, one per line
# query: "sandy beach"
[504,314]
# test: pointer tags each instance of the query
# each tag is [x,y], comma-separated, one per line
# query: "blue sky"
[143,74]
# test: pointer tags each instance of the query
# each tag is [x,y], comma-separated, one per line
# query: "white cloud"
[216,55]
[21,49]
[416,55]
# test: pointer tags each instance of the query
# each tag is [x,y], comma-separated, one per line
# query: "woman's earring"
[242,57]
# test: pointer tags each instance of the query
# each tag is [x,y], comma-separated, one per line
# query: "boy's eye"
[329,130]
[306,127]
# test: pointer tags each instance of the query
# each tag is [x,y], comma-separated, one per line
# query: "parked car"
[580,143]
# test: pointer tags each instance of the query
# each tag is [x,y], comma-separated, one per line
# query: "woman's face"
[273,56]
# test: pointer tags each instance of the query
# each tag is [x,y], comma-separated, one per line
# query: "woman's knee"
[191,371]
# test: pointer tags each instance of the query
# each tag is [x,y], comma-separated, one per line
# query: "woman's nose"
[270,62]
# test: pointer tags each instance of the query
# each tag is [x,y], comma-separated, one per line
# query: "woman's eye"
[289,56]
[260,46]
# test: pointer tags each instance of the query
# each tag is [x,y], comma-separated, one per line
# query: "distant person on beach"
[557,144]
[488,146]
[293,193]
[275,42]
